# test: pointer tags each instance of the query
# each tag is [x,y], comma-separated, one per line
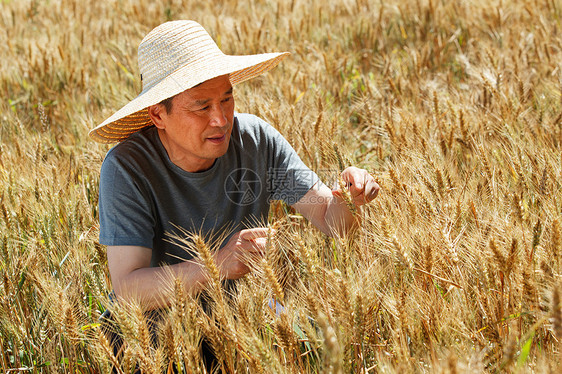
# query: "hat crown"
[171,46]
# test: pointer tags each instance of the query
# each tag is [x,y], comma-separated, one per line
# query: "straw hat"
[174,57]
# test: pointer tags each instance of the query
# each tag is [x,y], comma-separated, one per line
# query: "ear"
[157,114]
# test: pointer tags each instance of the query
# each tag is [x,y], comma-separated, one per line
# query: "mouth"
[217,139]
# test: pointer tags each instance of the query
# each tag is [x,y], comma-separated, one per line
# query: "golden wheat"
[455,106]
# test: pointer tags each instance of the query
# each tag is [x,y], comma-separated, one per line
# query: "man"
[182,147]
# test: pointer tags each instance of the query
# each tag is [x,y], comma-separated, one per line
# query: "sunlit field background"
[454,106]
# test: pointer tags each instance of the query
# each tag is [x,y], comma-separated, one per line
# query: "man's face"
[197,130]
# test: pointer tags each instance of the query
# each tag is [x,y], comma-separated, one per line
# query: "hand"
[232,259]
[362,185]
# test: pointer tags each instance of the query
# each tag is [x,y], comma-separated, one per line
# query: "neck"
[181,160]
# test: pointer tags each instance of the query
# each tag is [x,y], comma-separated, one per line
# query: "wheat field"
[454,106]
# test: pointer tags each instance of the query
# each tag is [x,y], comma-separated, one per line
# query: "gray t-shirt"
[144,196]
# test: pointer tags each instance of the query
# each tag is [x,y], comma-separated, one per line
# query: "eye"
[227,99]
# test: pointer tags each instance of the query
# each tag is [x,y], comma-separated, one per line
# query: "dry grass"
[455,106]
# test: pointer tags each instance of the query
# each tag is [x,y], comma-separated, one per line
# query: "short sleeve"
[125,209]
[288,178]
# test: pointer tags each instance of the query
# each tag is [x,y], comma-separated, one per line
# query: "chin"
[217,152]
[223,151]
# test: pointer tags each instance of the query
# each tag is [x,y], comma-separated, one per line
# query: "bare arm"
[133,278]
[328,211]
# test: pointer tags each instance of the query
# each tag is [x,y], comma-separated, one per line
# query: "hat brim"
[134,116]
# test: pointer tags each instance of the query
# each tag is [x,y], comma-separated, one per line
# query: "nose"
[218,116]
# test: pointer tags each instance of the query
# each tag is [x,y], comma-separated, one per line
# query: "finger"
[257,245]
[253,233]
[252,250]
[350,174]
[357,178]
[356,189]
[371,190]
